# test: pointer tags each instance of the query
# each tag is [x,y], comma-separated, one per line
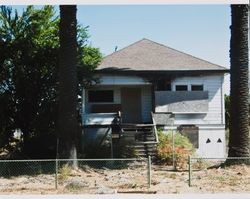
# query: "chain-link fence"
[27,174]
[120,176]
[210,171]
[89,176]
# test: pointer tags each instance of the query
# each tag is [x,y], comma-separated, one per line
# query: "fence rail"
[88,173]
[114,174]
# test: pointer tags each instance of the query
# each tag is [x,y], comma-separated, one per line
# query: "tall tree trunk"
[239,144]
[67,122]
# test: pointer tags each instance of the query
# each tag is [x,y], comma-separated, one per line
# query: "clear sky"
[200,30]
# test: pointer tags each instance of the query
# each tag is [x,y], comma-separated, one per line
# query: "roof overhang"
[161,72]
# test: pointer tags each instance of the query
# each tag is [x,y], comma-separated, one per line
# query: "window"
[196,87]
[163,85]
[181,87]
[101,96]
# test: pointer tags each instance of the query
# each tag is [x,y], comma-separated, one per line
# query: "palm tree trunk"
[67,122]
[239,145]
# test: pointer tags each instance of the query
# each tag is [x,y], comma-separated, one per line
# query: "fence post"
[149,171]
[56,176]
[173,150]
[189,171]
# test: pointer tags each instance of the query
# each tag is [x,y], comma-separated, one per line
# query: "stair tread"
[143,137]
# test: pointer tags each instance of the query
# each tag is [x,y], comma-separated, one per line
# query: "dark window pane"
[101,96]
[197,87]
[181,87]
[163,85]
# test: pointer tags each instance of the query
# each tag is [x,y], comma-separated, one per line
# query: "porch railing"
[155,129]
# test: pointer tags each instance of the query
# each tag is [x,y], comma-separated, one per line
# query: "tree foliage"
[29,48]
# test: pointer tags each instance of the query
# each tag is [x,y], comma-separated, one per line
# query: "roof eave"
[157,72]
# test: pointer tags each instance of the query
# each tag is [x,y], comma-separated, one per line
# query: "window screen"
[197,87]
[181,87]
[101,96]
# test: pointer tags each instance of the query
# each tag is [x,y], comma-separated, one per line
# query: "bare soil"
[233,179]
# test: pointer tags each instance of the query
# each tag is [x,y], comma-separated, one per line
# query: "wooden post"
[56,175]
[149,171]
[189,171]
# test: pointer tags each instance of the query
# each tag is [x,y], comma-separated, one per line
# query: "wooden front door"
[131,105]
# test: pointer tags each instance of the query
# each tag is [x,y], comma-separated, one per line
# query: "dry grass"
[233,179]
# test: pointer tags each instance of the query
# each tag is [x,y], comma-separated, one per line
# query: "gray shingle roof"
[146,55]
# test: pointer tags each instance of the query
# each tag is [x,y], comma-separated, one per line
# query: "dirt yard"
[234,179]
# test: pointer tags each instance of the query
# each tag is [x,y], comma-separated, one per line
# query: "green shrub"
[183,148]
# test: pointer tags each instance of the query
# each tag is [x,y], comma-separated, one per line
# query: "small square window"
[101,96]
[181,87]
[197,87]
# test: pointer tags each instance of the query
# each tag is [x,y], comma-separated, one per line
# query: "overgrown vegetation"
[182,149]
[29,48]
[64,173]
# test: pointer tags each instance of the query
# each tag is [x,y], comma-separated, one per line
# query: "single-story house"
[147,85]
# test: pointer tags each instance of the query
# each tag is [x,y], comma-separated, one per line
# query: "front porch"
[130,109]
[137,139]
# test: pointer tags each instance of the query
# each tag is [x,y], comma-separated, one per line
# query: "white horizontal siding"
[212,84]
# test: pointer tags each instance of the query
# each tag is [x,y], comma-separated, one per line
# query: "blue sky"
[200,30]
